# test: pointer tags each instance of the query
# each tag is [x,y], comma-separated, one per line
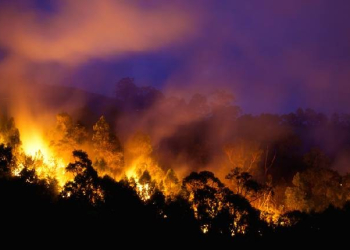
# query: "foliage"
[171,182]
[67,136]
[6,160]
[85,188]
[140,145]
[9,134]
[108,150]
[316,189]
[244,155]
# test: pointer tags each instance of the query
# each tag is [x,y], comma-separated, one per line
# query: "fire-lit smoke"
[42,47]
[282,58]
[78,31]
[187,126]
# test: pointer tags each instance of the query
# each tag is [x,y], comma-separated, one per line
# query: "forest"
[159,168]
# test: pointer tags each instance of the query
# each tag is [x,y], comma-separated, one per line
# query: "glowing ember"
[205,228]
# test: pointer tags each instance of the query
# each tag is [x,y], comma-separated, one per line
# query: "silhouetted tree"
[146,186]
[29,175]
[85,187]
[204,191]
[243,183]
[9,134]
[6,160]
[238,216]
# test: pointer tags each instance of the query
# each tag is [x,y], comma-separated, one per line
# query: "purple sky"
[274,55]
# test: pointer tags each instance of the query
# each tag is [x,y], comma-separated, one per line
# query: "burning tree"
[251,163]
[9,134]
[108,149]
[244,155]
[67,135]
[146,186]
[171,183]
[142,165]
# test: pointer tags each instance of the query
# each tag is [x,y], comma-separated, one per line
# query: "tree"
[261,196]
[237,216]
[6,160]
[243,183]
[140,145]
[67,135]
[122,205]
[29,175]
[244,155]
[314,190]
[108,150]
[146,187]
[138,153]
[204,191]
[181,218]
[171,183]
[157,203]
[9,134]
[296,196]
[218,209]
[85,188]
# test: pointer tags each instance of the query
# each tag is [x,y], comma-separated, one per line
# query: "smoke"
[78,31]
[281,55]
[46,47]
[273,55]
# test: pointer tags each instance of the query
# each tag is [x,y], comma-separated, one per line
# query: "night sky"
[274,55]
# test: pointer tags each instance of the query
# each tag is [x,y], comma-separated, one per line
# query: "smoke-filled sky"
[274,55]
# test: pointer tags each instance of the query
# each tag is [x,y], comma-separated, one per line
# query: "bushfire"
[46,155]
